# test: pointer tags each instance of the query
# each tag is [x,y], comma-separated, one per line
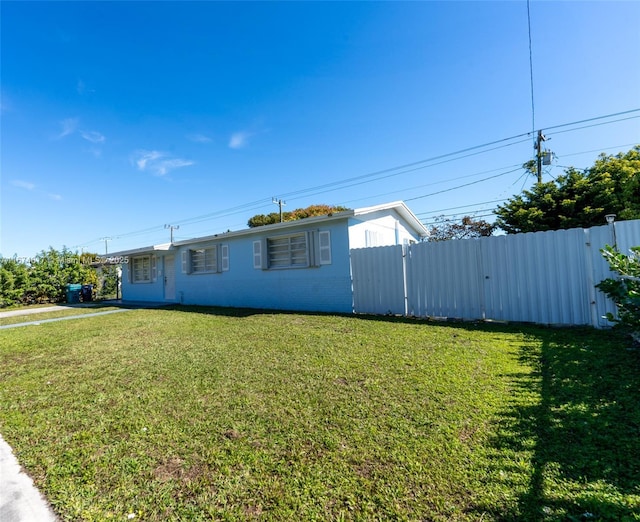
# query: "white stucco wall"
[379,229]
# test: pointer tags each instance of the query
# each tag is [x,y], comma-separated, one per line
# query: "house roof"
[401,208]
[398,206]
[142,250]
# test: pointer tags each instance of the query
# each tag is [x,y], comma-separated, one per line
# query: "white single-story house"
[296,265]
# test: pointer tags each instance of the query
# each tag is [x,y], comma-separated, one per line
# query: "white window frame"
[291,251]
[203,260]
[140,275]
[215,259]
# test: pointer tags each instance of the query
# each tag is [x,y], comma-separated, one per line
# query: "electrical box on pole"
[543,157]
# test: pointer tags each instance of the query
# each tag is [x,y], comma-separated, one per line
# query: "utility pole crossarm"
[106,239]
[280,203]
[171,229]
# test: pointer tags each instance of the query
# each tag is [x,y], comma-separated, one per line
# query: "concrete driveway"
[20,501]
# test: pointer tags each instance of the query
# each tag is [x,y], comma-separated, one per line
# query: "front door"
[169,278]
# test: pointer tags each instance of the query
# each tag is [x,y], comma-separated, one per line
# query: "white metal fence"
[541,277]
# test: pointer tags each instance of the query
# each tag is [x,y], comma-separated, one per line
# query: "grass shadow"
[574,419]
[583,431]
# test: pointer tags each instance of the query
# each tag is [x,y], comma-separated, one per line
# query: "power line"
[390,171]
[598,150]
[378,175]
[476,174]
[435,222]
[461,186]
[413,170]
[594,125]
[592,119]
[439,182]
[474,214]
[461,206]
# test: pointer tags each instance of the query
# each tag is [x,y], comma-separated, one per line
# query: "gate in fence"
[540,277]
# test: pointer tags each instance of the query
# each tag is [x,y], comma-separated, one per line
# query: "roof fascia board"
[268,228]
[143,250]
[401,208]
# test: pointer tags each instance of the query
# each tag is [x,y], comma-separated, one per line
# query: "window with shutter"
[204,260]
[288,251]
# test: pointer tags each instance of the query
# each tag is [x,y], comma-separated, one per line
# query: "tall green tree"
[578,199]
[467,228]
[300,213]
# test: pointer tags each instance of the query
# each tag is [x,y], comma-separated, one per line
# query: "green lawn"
[200,414]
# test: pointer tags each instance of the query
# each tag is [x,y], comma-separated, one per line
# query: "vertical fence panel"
[378,280]
[541,277]
[537,277]
[442,280]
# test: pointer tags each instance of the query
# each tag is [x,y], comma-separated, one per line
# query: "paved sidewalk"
[97,305]
[20,501]
[65,318]
[44,309]
[125,305]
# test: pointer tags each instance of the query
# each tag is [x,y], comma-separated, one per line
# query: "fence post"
[482,287]
[406,254]
[591,288]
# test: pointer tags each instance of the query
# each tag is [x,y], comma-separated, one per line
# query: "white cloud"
[239,140]
[68,126]
[23,184]
[199,138]
[147,156]
[93,136]
[157,162]
[27,185]
[163,167]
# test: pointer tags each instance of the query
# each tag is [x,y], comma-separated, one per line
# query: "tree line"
[44,278]
[572,200]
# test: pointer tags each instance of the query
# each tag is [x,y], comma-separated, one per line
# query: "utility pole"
[280,203]
[172,228]
[539,141]
[105,239]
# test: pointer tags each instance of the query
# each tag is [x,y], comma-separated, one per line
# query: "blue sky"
[120,117]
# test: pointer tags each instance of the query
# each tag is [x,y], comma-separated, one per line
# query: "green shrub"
[624,290]
[43,278]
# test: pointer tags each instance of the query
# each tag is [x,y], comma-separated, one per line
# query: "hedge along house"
[296,265]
